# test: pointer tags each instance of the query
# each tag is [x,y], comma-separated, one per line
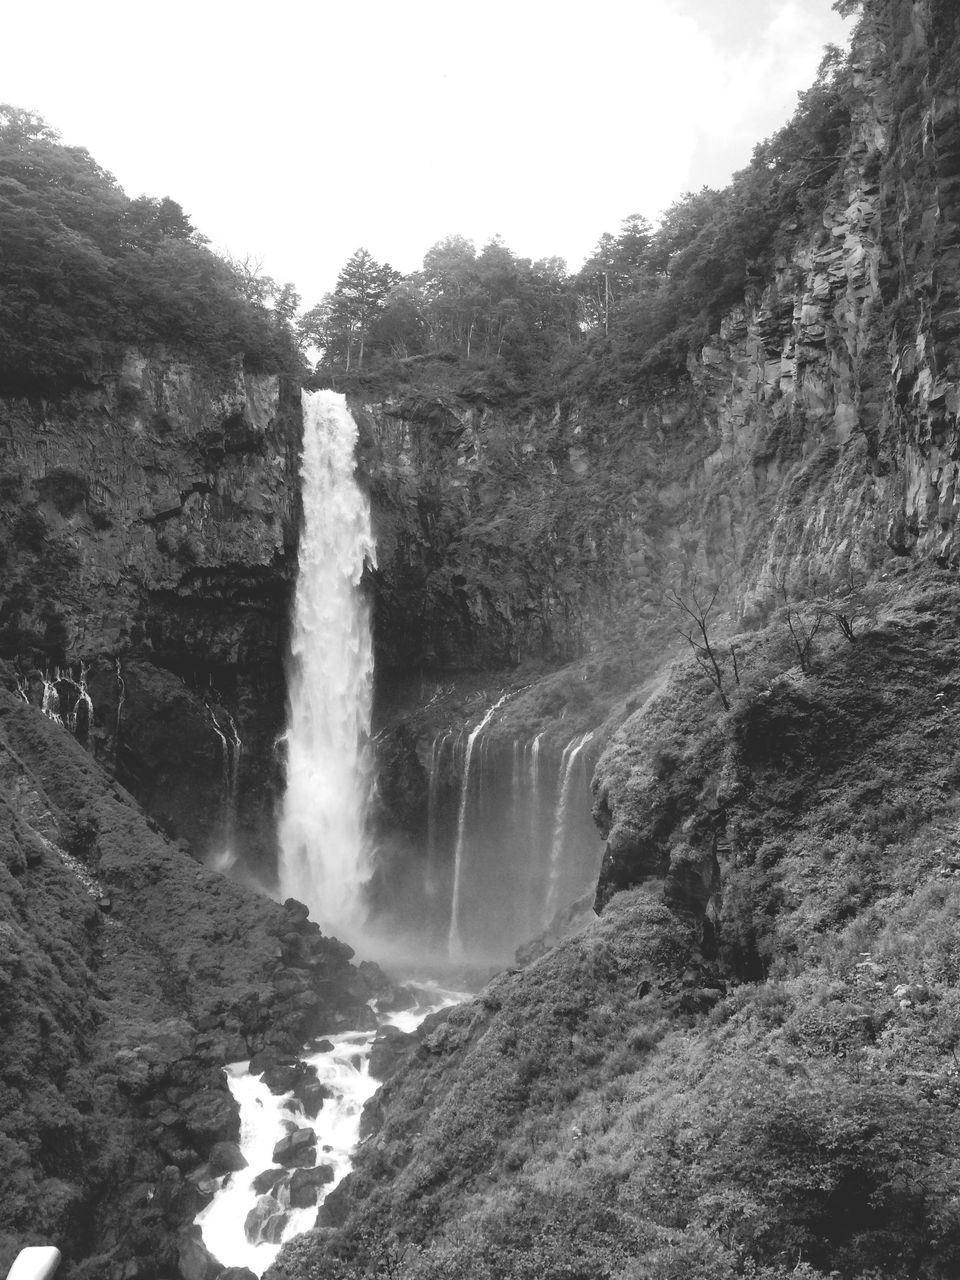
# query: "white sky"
[297,132]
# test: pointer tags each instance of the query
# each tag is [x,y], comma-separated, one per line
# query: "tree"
[358,297]
[696,607]
[451,290]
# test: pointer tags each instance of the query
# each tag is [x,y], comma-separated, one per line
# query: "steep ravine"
[129,975]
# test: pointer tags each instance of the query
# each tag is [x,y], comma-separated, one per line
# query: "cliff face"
[480,564]
[814,436]
[823,415]
[812,443]
[825,411]
[149,529]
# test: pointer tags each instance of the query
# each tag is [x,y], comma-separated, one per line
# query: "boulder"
[390,1048]
[206,1182]
[279,1073]
[297,1150]
[212,1117]
[305,1185]
[265,1221]
[311,1094]
[195,1260]
[268,1180]
[226,1157]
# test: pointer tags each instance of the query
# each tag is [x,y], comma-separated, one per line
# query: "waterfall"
[433,796]
[454,941]
[534,790]
[231,747]
[81,717]
[323,845]
[50,706]
[565,778]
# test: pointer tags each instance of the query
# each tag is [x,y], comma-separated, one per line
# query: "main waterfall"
[324,858]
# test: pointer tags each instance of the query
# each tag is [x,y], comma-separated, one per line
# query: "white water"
[50,706]
[345,1072]
[454,941]
[433,788]
[231,749]
[569,759]
[324,858]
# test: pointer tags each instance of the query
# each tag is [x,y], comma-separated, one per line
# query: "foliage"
[82,266]
[644,299]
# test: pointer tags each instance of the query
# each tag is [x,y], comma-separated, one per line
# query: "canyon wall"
[149,524]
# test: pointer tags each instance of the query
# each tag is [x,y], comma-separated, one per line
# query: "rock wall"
[455,591]
[823,415]
[148,527]
[823,418]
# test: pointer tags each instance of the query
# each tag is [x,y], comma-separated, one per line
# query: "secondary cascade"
[454,940]
[324,854]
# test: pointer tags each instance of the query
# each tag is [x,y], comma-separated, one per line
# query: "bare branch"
[698,612]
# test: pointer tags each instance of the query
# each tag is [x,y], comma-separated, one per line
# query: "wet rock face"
[149,528]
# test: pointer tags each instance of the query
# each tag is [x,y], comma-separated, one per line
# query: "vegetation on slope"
[756,1080]
[83,267]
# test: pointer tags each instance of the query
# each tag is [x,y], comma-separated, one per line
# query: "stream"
[276,1216]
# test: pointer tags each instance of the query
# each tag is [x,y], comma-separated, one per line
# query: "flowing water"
[454,940]
[344,1070]
[324,853]
[561,824]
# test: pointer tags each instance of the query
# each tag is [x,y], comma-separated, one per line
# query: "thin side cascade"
[324,854]
[231,748]
[570,753]
[433,791]
[454,940]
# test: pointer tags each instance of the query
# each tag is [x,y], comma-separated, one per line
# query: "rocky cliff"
[149,526]
[809,442]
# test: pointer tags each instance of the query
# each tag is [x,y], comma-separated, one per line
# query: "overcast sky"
[297,132]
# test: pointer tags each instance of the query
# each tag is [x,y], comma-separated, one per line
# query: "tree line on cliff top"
[644,298]
[84,266]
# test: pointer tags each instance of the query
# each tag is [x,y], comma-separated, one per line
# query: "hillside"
[746,418]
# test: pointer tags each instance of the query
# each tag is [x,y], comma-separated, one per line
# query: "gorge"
[715,1021]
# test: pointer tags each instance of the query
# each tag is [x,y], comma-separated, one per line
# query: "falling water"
[433,794]
[534,791]
[324,856]
[454,943]
[231,748]
[569,759]
[50,706]
[80,721]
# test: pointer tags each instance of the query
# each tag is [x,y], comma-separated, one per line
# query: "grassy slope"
[765,1083]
